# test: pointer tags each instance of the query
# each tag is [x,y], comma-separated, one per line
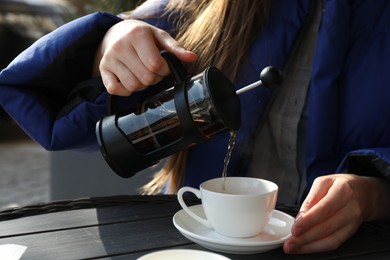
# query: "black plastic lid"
[224,98]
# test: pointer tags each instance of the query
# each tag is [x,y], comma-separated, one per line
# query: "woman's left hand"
[334,209]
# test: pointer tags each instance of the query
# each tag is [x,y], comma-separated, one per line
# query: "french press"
[191,111]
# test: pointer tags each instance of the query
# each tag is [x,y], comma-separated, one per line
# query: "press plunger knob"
[271,76]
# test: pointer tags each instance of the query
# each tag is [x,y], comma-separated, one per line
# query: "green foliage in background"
[83,7]
[113,6]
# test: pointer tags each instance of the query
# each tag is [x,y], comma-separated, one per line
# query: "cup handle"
[185,207]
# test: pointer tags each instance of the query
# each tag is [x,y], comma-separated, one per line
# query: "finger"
[146,48]
[334,200]
[330,242]
[318,190]
[326,227]
[138,47]
[120,81]
[132,76]
[113,85]
[115,75]
[144,75]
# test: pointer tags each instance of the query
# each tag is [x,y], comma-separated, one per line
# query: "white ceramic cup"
[241,210]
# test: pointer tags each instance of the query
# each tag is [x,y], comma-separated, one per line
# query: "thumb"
[166,42]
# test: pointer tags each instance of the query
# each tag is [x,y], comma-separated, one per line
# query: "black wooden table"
[127,227]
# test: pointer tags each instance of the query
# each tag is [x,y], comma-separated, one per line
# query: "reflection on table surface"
[127,227]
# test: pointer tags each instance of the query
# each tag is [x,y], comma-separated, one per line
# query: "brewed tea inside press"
[191,111]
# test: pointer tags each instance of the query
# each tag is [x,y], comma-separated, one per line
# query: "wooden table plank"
[105,240]
[128,231]
[85,217]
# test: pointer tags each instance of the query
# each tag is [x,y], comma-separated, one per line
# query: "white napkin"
[11,251]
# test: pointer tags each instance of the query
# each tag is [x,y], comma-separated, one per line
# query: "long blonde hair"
[220,32]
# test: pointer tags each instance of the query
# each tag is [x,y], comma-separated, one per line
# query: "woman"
[348,94]
[325,133]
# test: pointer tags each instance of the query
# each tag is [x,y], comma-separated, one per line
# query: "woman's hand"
[129,59]
[334,209]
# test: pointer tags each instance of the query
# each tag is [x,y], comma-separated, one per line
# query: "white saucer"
[273,236]
[180,254]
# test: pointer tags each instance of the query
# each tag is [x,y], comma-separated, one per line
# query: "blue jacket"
[349,96]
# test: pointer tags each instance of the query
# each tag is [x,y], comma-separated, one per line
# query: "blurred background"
[28,173]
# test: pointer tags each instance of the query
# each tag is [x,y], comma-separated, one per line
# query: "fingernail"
[299,215]
[289,248]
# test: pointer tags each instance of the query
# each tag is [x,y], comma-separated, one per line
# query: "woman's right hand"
[128,58]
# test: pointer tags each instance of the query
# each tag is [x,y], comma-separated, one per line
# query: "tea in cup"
[234,206]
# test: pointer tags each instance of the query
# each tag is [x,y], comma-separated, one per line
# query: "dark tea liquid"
[232,141]
[155,123]
[165,131]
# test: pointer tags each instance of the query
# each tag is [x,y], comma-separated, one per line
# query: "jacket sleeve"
[37,89]
[368,162]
